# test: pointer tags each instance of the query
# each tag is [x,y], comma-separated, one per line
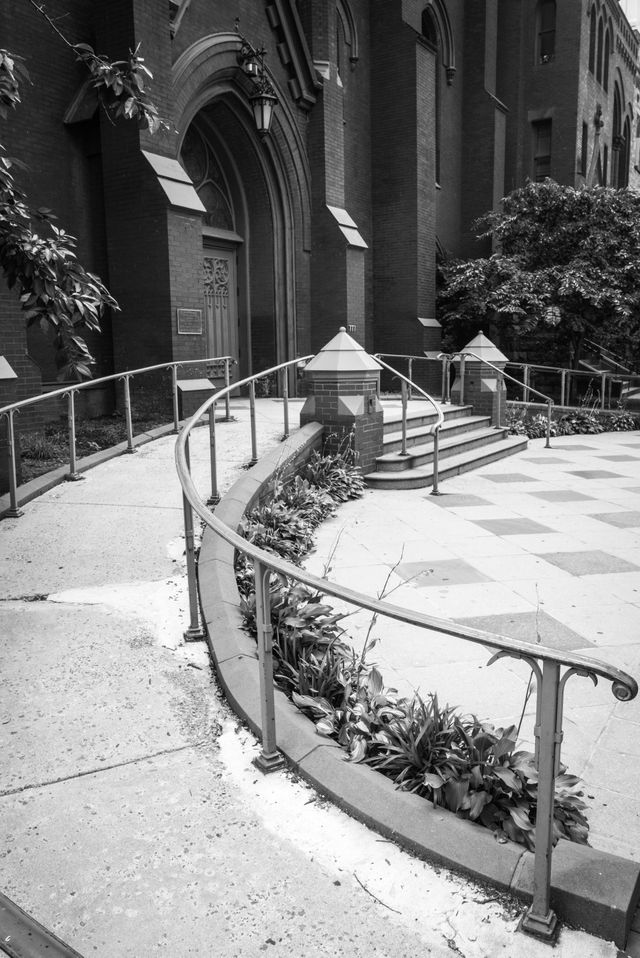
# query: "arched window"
[431,33]
[605,65]
[600,49]
[625,156]
[546,31]
[592,40]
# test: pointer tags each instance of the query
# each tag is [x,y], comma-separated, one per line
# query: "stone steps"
[466,442]
[452,465]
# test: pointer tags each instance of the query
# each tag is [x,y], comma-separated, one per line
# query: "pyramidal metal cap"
[484,348]
[343,354]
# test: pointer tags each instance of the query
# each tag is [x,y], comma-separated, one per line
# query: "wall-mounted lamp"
[264,99]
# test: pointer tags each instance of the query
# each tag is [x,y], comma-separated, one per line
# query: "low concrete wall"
[590,889]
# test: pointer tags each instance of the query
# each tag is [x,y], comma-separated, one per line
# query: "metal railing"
[69,392]
[552,668]
[408,387]
[568,382]
[501,377]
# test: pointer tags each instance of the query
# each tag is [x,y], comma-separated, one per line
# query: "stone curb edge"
[591,890]
[21,936]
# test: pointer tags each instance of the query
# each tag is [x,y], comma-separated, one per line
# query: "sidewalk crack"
[102,768]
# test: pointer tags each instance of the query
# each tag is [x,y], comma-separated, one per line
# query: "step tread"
[473,436]
[447,426]
[479,455]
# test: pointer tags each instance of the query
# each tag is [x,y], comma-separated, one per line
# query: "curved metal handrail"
[434,429]
[544,662]
[621,680]
[88,383]
[69,390]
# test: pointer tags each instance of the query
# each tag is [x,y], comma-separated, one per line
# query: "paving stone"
[623,520]
[448,500]
[530,627]
[572,446]
[589,562]
[620,458]
[545,459]
[445,572]
[596,474]
[510,477]
[560,495]
[513,527]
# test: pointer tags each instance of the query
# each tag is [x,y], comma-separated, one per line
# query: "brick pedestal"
[484,387]
[343,383]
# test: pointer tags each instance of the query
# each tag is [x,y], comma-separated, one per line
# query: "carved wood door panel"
[221,303]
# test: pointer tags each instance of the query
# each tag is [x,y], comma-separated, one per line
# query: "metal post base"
[546,928]
[73,477]
[269,763]
[193,634]
[13,514]
[213,500]
[131,451]
[435,492]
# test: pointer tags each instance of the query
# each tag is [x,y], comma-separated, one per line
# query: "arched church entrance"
[243,266]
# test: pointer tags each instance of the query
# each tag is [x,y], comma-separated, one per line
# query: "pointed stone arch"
[207,77]
[438,12]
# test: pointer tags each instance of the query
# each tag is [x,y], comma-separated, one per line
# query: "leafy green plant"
[576,422]
[337,474]
[453,760]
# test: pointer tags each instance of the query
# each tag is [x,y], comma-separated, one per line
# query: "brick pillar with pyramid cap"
[484,387]
[344,382]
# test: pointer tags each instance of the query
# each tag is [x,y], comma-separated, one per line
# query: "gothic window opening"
[208,179]
[546,31]
[605,65]
[431,34]
[600,50]
[541,150]
[592,40]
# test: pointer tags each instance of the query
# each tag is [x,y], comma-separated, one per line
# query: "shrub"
[453,760]
[576,422]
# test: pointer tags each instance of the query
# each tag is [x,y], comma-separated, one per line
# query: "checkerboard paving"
[539,547]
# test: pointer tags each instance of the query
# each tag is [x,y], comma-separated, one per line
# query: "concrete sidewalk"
[133,822]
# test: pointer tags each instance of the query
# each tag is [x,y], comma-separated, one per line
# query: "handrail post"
[547,444]
[269,759]
[410,374]
[568,388]
[214,498]
[445,376]
[127,413]
[436,456]
[539,919]
[194,632]
[252,405]
[403,393]
[174,392]
[72,475]
[525,383]
[285,401]
[563,386]
[603,389]
[227,383]
[14,511]
[463,359]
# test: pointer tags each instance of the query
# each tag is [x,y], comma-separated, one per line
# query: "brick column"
[343,382]
[484,387]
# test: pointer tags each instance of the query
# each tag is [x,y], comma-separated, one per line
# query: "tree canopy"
[36,256]
[567,259]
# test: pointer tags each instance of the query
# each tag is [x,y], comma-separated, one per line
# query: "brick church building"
[397,124]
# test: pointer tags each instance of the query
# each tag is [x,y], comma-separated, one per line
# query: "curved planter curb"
[592,890]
